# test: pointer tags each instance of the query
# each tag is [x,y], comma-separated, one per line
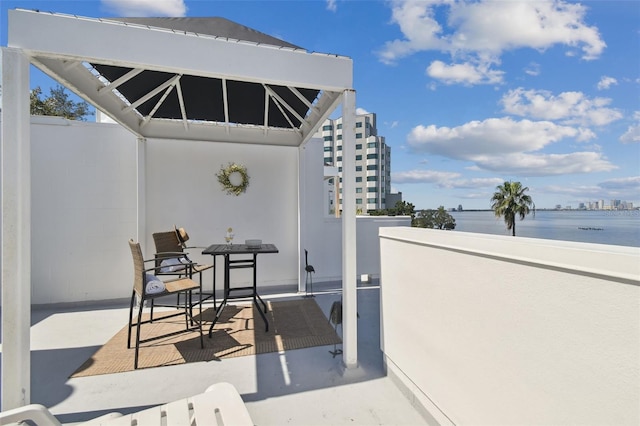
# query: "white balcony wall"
[485,329]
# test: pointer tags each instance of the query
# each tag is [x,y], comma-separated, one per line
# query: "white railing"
[485,329]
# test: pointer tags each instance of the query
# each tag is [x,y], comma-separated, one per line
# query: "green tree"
[402,208]
[510,201]
[58,104]
[435,219]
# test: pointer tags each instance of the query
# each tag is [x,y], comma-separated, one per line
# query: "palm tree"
[510,200]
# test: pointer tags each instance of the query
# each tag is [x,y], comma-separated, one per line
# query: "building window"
[340,137]
[372,189]
[371,200]
[372,145]
[358,123]
[340,180]
[328,160]
[372,156]
[358,146]
[358,190]
[358,157]
[327,127]
[328,149]
[372,167]
[339,126]
[358,200]
[372,178]
[328,138]
[339,158]
[358,178]
[358,168]
[358,135]
[339,147]
[340,169]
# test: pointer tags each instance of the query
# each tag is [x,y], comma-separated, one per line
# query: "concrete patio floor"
[298,387]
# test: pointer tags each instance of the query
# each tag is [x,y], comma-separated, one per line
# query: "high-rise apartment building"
[373,160]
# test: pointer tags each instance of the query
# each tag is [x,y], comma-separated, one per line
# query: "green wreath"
[233,178]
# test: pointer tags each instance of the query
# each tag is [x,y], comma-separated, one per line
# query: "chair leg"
[135,361]
[186,310]
[133,298]
[200,322]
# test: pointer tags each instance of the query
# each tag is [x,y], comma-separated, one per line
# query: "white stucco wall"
[83,183]
[85,209]
[490,329]
[182,189]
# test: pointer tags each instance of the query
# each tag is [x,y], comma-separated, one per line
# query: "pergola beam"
[235,60]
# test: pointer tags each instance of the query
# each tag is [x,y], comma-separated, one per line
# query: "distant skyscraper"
[373,160]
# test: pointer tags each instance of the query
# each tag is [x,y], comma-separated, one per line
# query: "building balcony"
[475,329]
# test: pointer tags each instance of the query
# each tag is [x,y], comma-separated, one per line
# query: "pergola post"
[15,157]
[349,273]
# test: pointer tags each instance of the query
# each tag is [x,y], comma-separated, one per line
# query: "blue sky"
[467,94]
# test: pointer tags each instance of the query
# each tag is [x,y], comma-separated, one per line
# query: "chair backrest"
[167,242]
[138,267]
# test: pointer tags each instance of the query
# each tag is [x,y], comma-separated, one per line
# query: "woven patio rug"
[293,324]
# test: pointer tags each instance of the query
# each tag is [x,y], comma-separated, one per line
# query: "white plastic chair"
[219,405]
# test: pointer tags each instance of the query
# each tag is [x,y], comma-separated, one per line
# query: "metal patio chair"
[147,286]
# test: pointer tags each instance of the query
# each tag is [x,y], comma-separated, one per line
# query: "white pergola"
[160,79]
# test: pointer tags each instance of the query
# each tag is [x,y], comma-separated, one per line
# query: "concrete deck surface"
[297,387]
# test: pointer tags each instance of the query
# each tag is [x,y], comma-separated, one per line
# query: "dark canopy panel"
[203,98]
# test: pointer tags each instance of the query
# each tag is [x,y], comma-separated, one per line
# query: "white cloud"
[606,82]
[493,136]
[422,176]
[467,34]
[142,8]
[632,134]
[332,5]
[626,183]
[533,69]
[443,179]
[509,147]
[476,183]
[626,188]
[523,164]
[567,107]
[633,131]
[465,73]
[361,111]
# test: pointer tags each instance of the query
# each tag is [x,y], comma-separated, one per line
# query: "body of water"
[594,226]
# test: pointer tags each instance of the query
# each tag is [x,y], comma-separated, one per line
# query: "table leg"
[256,296]
[225,291]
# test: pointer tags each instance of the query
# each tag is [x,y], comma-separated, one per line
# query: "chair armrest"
[33,413]
[184,264]
[167,255]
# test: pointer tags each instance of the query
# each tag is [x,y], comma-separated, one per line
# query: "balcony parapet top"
[620,263]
